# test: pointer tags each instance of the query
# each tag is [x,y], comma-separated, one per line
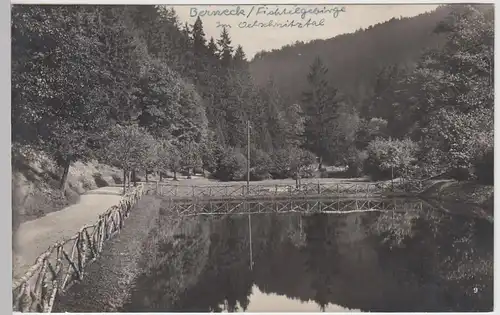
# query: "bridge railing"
[63,264]
[307,189]
[334,205]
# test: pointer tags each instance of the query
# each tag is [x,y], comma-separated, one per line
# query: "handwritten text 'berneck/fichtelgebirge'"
[299,16]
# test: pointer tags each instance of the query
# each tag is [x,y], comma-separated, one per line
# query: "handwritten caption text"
[298,16]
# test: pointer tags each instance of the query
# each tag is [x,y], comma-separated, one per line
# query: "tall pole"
[248,156]
[250,233]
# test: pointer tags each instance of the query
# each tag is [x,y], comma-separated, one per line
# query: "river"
[410,261]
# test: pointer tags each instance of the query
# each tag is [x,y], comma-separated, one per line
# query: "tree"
[320,109]
[232,166]
[129,147]
[389,158]
[191,158]
[454,140]
[163,160]
[57,101]
[225,49]
[174,155]
[291,162]
[212,47]
[294,130]
[260,164]
[198,38]
[240,59]
[211,153]
[300,160]
[454,98]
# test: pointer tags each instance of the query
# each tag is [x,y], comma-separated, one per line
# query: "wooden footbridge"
[341,205]
[283,191]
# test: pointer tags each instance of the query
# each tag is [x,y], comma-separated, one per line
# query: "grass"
[106,284]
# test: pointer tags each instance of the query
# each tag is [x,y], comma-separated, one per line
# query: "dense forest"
[353,58]
[133,87]
[414,80]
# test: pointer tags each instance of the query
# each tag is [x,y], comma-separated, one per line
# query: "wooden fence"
[63,264]
[256,190]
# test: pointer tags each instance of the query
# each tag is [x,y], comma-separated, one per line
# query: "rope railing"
[63,264]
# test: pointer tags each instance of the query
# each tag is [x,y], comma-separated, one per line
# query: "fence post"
[319,188]
[275,190]
[157,186]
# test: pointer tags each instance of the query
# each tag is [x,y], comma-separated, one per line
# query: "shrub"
[211,154]
[456,142]
[86,182]
[303,161]
[118,179]
[390,157]
[232,166]
[261,165]
[281,164]
[287,161]
[99,180]
[355,162]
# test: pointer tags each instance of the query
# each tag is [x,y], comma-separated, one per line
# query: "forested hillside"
[84,77]
[132,87]
[409,97]
[353,59]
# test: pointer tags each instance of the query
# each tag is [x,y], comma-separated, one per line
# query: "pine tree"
[198,38]
[320,109]
[212,47]
[239,57]
[225,48]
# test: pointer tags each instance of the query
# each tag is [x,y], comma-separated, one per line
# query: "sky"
[248,25]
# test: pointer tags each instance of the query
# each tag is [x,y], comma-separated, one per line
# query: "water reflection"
[272,302]
[411,261]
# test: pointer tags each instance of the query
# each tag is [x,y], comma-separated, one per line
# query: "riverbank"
[106,284]
[149,242]
[462,192]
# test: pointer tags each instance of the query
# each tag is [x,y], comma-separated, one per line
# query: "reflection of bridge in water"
[339,205]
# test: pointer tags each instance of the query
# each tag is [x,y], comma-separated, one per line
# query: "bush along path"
[63,263]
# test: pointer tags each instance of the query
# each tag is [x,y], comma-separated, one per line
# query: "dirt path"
[34,237]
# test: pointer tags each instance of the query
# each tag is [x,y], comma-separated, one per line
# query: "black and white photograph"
[252,157]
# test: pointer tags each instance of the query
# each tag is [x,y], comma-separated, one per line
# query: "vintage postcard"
[252,158]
